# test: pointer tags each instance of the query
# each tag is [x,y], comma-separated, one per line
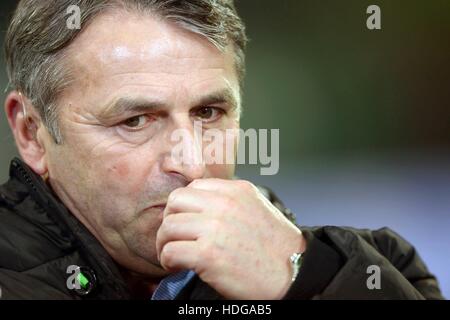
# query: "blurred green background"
[364,116]
[333,87]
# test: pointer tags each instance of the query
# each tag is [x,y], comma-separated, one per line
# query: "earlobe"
[25,125]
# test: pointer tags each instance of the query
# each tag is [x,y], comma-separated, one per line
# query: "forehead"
[121,50]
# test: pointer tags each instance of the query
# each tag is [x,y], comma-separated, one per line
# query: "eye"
[208,113]
[136,122]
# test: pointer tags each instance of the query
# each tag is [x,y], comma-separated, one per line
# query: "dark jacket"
[39,239]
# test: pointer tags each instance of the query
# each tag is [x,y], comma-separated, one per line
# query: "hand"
[231,236]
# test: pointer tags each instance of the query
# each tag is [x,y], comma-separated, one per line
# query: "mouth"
[159,208]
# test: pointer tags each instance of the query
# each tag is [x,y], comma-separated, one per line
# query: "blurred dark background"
[364,116]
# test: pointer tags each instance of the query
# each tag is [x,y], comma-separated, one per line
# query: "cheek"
[128,172]
[125,176]
[122,169]
[120,187]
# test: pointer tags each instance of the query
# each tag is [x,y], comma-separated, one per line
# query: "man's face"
[137,80]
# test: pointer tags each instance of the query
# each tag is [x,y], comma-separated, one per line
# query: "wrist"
[293,258]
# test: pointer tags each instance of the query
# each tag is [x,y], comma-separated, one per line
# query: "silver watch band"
[296,263]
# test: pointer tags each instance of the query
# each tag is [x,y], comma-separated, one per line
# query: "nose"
[185,156]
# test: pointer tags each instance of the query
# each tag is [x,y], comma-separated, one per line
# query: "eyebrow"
[219,97]
[125,105]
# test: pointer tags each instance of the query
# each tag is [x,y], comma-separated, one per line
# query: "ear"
[25,125]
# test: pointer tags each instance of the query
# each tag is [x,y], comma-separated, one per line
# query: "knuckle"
[245,185]
[167,256]
[227,203]
[174,195]
[204,249]
[195,183]
[211,254]
[168,225]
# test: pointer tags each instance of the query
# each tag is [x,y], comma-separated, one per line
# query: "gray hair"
[37,39]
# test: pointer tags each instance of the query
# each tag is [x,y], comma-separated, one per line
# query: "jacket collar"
[107,272]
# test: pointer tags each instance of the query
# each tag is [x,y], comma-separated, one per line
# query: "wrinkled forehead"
[126,47]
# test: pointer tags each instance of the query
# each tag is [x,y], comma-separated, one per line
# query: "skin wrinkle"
[121,180]
[123,105]
[158,72]
[236,99]
[118,174]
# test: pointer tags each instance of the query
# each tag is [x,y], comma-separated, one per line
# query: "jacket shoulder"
[34,254]
[347,254]
[28,235]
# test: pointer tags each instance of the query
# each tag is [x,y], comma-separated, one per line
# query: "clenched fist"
[231,236]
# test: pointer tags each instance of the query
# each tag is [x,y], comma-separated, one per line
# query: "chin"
[144,264]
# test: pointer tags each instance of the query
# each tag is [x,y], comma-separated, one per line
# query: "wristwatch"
[296,262]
